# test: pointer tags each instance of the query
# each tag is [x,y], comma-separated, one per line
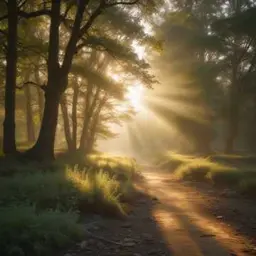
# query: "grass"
[24,232]
[65,190]
[122,167]
[217,170]
[40,204]
[172,160]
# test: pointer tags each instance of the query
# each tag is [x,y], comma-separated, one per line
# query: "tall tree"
[86,13]
[31,136]
[9,145]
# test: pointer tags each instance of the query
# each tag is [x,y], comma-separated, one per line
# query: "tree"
[9,145]
[240,58]
[79,25]
[189,67]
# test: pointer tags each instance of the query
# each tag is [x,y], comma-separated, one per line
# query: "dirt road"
[189,222]
[171,218]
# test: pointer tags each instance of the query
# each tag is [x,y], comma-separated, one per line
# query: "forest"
[128,127]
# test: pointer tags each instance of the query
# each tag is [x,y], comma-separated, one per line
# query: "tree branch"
[74,38]
[35,14]
[42,87]
[21,4]
[123,3]
[68,8]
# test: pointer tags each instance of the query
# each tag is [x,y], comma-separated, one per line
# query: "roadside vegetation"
[230,171]
[41,204]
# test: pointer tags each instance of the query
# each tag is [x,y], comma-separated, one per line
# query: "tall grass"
[117,165]
[223,172]
[40,203]
[65,190]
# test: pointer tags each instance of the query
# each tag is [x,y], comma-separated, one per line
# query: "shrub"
[23,232]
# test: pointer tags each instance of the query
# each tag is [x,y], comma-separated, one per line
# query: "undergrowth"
[217,170]
[25,232]
[40,204]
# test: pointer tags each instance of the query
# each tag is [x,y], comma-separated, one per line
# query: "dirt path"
[170,218]
[189,222]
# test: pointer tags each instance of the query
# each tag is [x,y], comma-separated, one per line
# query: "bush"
[23,232]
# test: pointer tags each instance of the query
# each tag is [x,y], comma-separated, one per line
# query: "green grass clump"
[172,160]
[25,232]
[121,167]
[218,170]
[65,190]
[199,169]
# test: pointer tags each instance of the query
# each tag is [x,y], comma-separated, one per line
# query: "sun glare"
[134,96]
[139,50]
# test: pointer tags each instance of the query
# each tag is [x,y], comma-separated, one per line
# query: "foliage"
[65,190]
[172,160]
[40,203]
[24,231]
[199,168]
[119,166]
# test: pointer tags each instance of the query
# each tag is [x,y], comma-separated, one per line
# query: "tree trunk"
[67,131]
[40,95]
[29,114]
[90,108]
[58,75]
[233,120]
[92,134]
[9,145]
[44,147]
[74,114]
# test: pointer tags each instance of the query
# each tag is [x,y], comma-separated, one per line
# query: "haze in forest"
[169,75]
[138,110]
